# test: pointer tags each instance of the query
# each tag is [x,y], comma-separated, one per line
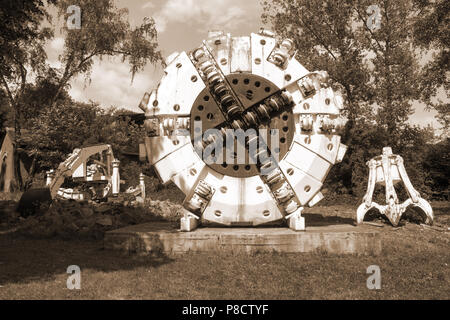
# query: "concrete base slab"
[162,237]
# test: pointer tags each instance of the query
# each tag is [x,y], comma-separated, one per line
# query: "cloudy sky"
[182,25]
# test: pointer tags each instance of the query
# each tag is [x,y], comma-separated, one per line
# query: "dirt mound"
[72,219]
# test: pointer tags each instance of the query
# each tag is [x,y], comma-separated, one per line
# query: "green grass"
[414,265]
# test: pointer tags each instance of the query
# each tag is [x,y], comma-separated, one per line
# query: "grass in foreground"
[414,265]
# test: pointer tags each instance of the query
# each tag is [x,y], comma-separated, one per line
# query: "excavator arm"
[77,163]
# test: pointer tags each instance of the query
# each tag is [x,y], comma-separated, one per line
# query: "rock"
[73,227]
[102,208]
[139,200]
[105,221]
[86,212]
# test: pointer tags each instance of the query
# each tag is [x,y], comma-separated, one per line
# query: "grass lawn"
[414,264]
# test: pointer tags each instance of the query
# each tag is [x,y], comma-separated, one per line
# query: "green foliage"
[437,168]
[323,35]
[57,131]
[57,124]
[430,28]
[22,39]
[60,129]
[375,69]
[105,31]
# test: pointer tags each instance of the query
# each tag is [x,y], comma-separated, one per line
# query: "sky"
[182,25]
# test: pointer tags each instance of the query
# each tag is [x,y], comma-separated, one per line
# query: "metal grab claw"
[388,169]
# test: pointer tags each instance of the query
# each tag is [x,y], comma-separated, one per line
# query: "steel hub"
[250,90]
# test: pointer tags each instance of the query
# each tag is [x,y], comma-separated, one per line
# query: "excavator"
[93,170]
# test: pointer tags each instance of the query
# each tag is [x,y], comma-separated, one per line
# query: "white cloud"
[210,14]
[57,44]
[111,85]
[148,5]
[54,48]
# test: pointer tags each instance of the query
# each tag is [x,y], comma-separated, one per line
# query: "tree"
[104,31]
[4,113]
[395,65]
[59,130]
[324,37]
[373,65]
[430,27]
[22,40]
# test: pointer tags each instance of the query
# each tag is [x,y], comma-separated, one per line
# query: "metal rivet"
[176,107]
[307,188]
[194,78]
[306,106]
[155,103]
[223,61]
[327,101]
[263,42]
[330,146]
[266,213]
[223,189]
[290,171]
[257,61]
[259,189]
[193,172]
[287,77]
[179,65]
[218,213]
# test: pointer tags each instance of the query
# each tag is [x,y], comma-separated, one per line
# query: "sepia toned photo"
[224,158]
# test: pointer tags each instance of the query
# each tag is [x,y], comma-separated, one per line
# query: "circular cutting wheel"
[243,129]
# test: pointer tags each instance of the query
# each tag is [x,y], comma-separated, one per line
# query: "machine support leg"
[295,220]
[142,185]
[189,221]
[115,178]
[50,176]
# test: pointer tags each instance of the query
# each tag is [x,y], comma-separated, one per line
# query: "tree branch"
[8,91]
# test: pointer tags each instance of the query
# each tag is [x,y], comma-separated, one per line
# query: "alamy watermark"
[74,280]
[374,20]
[373,281]
[74,20]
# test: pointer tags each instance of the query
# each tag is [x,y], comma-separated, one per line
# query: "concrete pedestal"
[188,223]
[162,237]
